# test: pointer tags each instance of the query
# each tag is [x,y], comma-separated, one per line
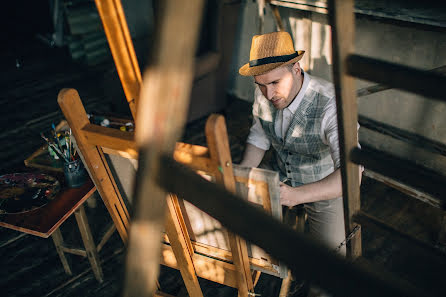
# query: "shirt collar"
[295,103]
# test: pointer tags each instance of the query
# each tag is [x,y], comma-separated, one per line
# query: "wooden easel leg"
[182,247]
[58,242]
[217,139]
[73,110]
[89,244]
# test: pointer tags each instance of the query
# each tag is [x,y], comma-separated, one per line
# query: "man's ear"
[296,68]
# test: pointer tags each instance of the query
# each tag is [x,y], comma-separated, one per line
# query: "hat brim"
[246,70]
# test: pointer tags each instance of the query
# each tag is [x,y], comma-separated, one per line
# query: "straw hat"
[269,51]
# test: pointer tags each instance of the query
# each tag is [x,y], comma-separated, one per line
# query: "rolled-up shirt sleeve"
[329,132]
[257,135]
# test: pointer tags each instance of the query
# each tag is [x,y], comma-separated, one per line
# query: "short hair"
[290,66]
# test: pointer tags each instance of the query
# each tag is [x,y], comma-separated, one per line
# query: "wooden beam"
[110,138]
[94,159]
[302,6]
[195,156]
[403,135]
[404,188]
[302,254]
[401,170]
[277,18]
[162,111]
[342,22]
[381,87]
[421,82]
[121,46]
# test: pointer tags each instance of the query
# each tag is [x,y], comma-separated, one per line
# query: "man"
[295,113]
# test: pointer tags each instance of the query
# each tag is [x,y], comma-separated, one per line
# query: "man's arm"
[327,188]
[253,156]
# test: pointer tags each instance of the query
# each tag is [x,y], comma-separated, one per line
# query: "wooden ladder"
[347,66]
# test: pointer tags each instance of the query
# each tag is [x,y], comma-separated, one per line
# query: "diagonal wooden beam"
[162,111]
[121,46]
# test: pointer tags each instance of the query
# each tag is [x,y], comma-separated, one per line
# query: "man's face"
[280,85]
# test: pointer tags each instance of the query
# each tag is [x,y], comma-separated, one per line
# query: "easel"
[94,140]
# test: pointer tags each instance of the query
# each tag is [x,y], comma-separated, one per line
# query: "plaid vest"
[301,156]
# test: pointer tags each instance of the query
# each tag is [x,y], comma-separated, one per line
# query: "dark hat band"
[269,60]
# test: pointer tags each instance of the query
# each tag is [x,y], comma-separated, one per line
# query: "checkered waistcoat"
[301,156]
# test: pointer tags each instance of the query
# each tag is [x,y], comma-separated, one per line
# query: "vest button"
[289,171]
[289,153]
[288,163]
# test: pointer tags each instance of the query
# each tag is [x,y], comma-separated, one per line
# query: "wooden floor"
[31,266]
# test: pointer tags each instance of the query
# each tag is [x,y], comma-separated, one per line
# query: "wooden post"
[121,46]
[343,29]
[219,150]
[162,110]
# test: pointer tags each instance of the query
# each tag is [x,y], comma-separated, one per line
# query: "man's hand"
[288,195]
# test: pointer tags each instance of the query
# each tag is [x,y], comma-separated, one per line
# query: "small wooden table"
[45,222]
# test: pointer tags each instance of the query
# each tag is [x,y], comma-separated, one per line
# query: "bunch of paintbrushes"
[61,144]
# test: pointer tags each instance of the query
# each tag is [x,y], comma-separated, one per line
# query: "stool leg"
[89,244]
[58,242]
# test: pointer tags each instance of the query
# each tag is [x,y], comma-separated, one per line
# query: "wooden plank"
[403,135]
[184,153]
[302,254]
[406,189]
[421,82]
[110,138]
[162,111]
[343,29]
[217,139]
[399,169]
[381,87]
[182,247]
[94,159]
[121,46]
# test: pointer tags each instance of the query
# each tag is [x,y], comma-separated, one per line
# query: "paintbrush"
[55,149]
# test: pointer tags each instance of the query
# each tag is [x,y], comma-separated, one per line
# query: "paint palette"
[23,192]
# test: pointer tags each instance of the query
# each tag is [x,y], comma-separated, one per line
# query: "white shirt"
[329,125]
